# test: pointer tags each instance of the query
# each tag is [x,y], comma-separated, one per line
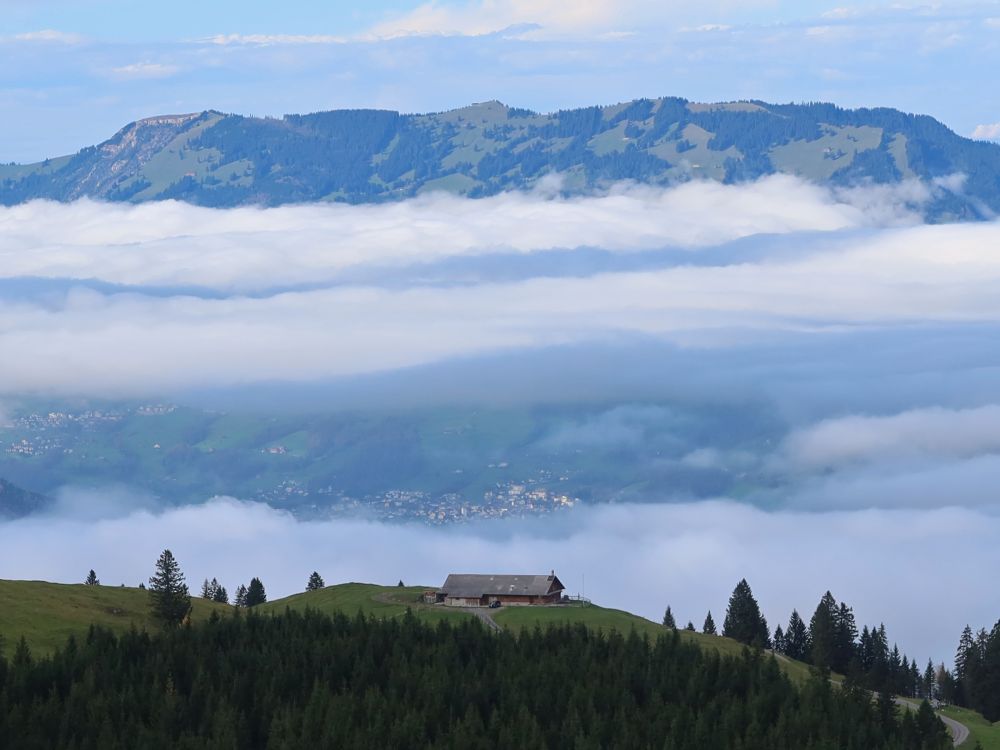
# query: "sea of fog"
[871,335]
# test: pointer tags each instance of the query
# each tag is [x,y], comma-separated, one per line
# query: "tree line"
[832,643]
[307,679]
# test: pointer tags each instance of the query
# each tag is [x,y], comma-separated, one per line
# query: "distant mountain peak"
[365,155]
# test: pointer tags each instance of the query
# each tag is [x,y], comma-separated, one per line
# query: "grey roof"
[472,585]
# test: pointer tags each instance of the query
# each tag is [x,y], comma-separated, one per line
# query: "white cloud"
[268,40]
[638,558]
[837,280]
[486,16]
[478,17]
[921,434]
[989,132]
[50,35]
[143,70]
[173,243]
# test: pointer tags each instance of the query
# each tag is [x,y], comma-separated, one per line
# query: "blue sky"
[73,71]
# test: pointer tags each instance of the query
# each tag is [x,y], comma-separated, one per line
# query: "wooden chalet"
[469,590]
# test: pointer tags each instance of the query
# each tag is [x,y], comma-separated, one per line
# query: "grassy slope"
[351,598]
[391,601]
[616,619]
[46,614]
[980,729]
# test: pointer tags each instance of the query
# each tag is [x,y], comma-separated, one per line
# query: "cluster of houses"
[473,590]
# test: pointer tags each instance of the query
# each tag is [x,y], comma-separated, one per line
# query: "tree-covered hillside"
[214,159]
[310,680]
[16,502]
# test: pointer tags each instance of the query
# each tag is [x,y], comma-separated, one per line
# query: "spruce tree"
[168,594]
[744,621]
[91,579]
[255,593]
[220,595]
[206,590]
[315,582]
[709,627]
[822,632]
[929,681]
[668,619]
[845,638]
[779,640]
[241,596]
[689,626]
[796,638]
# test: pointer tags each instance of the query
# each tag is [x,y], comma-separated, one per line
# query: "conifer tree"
[241,596]
[206,590]
[221,595]
[169,598]
[779,640]
[255,593]
[822,632]
[689,626]
[668,619]
[929,681]
[92,579]
[744,621]
[315,582]
[709,627]
[796,638]
[845,638]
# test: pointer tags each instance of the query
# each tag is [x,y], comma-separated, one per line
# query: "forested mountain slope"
[16,501]
[310,680]
[214,159]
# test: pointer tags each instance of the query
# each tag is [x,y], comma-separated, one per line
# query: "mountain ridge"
[211,158]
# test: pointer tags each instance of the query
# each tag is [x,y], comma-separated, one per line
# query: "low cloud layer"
[100,299]
[909,569]
[921,435]
[853,350]
[247,249]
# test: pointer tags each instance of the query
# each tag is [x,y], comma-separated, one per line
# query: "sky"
[837,312]
[101,64]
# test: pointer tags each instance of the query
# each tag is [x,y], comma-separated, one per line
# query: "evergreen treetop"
[744,622]
[668,619]
[255,593]
[170,601]
[709,627]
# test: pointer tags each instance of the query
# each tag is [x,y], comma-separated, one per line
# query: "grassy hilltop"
[47,613]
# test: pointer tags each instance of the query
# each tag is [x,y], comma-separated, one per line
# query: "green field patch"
[377,601]
[452,183]
[610,141]
[46,614]
[230,431]
[819,159]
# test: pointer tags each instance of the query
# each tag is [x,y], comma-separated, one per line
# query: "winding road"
[959,732]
